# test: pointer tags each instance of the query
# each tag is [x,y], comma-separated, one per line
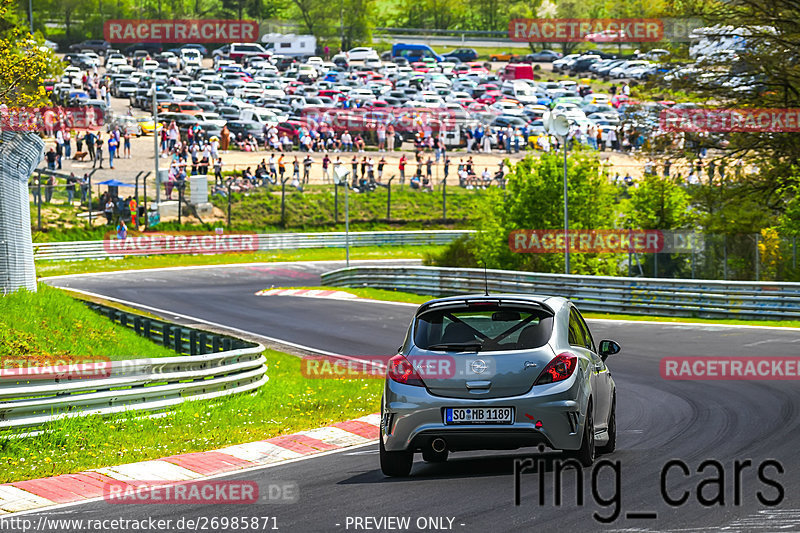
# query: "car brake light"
[559,369]
[402,371]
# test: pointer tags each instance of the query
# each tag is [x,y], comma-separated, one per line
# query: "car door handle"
[478,384]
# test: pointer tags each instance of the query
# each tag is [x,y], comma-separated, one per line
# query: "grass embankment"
[57,268]
[406,297]
[48,325]
[311,211]
[289,402]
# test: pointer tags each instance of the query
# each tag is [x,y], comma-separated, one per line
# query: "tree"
[534,200]
[24,63]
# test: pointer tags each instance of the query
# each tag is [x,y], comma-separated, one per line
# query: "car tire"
[611,445]
[395,464]
[585,454]
[430,456]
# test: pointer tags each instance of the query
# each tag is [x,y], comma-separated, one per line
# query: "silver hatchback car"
[497,372]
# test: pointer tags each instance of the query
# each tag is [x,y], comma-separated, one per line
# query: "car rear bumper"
[412,417]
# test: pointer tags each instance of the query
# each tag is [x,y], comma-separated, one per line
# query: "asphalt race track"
[658,420]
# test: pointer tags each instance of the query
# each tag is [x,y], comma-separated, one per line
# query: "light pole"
[155,145]
[558,124]
[340,174]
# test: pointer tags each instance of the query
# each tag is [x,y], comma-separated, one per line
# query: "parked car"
[543,56]
[91,45]
[463,55]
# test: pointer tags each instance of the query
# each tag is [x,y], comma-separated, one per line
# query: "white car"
[191,59]
[212,118]
[506,107]
[373,62]
[179,94]
[149,65]
[216,92]
[389,69]
[197,87]
[362,54]
[273,90]
[249,90]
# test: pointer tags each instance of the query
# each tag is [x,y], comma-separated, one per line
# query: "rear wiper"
[475,345]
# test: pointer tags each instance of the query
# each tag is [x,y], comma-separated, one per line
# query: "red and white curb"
[308,293]
[69,488]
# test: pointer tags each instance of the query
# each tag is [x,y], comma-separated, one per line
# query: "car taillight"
[559,369]
[402,371]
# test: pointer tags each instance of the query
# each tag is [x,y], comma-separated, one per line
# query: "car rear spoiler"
[482,300]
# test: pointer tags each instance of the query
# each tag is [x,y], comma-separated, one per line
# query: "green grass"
[311,211]
[289,402]
[48,325]
[57,268]
[316,206]
[406,297]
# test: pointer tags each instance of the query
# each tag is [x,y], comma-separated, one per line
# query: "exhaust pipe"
[438,445]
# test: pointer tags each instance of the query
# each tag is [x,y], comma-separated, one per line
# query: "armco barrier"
[640,296]
[66,251]
[210,366]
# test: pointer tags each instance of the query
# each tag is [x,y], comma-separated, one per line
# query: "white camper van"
[290,44]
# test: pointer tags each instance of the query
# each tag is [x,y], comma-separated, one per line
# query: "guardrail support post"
[165,332]
[178,338]
[226,344]
[137,325]
[146,328]
[192,342]
[215,343]
[202,343]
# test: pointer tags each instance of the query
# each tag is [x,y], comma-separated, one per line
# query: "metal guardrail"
[210,366]
[67,251]
[640,296]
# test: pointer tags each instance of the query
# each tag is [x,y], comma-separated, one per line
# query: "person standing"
[51,157]
[307,161]
[112,150]
[84,184]
[281,167]
[390,138]
[381,164]
[91,139]
[127,140]
[67,143]
[428,167]
[402,168]
[108,210]
[49,187]
[98,150]
[326,161]
[59,145]
[71,181]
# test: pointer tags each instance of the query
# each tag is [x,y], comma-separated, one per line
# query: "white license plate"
[479,415]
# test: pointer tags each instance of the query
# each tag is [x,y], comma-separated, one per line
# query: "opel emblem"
[478,366]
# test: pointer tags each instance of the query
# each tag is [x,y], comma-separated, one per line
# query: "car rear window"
[483,328]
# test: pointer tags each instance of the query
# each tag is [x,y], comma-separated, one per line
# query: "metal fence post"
[655,265]
[444,199]
[180,203]
[229,203]
[335,203]
[389,200]
[283,202]
[794,252]
[39,203]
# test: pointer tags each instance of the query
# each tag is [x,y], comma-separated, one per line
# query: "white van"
[259,114]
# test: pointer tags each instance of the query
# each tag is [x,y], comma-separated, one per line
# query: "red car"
[489,97]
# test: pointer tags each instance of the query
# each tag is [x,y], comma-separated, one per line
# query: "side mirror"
[608,348]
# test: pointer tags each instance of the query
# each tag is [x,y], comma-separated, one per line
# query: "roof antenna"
[485,279]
